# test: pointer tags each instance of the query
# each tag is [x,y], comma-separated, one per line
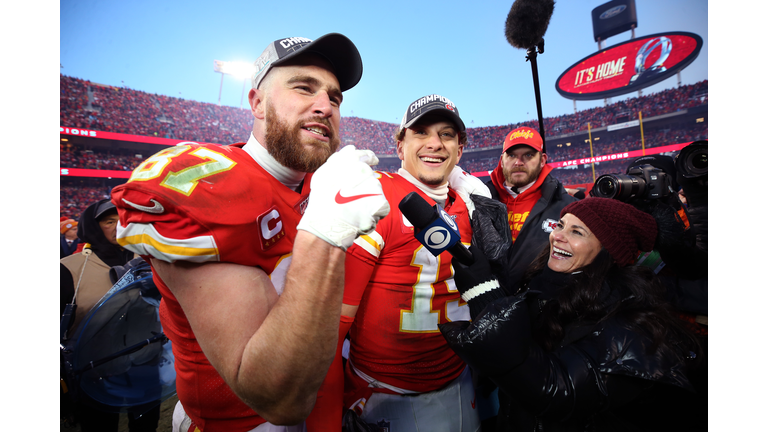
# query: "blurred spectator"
[68,239]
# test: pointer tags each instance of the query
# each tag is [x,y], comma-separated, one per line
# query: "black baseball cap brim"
[103,208]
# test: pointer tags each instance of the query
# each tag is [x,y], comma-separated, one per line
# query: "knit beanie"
[622,229]
[68,224]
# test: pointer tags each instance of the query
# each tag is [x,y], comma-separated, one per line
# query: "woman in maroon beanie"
[589,343]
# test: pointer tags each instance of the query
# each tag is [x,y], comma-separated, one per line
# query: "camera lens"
[699,161]
[618,186]
[607,187]
[692,162]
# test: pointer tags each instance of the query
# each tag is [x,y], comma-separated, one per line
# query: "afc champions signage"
[629,66]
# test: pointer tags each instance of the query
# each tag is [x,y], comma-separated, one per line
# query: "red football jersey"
[207,203]
[395,339]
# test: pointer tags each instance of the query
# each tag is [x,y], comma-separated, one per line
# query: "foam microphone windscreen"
[527,22]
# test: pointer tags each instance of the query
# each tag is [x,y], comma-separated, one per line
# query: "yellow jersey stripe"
[144,239]
[371,243]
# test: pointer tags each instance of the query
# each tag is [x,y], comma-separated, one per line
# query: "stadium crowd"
[84,104]
[73,200]
[113,109]
[122,110]
[73,156]
[630,141]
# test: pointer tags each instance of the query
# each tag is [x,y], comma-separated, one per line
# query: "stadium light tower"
[236,69]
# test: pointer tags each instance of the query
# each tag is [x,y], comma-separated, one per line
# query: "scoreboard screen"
[629,66]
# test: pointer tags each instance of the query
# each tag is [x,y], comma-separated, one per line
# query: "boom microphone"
[434,228]
[527,22]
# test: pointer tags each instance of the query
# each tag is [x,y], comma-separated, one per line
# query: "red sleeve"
[357,273]
[328,412]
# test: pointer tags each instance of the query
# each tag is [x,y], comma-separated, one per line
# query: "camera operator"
[682,239]
[651,184]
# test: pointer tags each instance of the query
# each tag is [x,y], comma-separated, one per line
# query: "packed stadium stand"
[147,123]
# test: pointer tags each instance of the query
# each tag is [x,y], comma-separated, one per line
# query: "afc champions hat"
[431,104]
[340,52]
[523,135]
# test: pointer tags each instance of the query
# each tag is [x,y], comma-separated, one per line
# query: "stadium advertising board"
[82,172]
[65,130]
[623,155]
[604,158]
[629,66]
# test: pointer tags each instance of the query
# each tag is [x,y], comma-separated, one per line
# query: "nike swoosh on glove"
[495,342]
[346,199]
[465,184]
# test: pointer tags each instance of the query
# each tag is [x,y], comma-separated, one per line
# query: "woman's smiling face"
[572,245]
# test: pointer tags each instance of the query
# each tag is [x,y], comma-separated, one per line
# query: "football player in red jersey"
[234,233]
[400,373]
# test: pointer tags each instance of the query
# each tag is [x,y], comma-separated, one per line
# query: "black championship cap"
[432,104]
[340,52]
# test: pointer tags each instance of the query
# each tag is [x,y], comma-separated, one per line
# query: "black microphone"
[434,228]
[525,27]
[527,22]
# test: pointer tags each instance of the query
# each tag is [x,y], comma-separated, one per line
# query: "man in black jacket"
[85,278]
[533,197]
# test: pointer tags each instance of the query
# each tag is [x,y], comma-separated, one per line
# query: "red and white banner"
[606,158]
[617,156]
[64,130]
[81,172]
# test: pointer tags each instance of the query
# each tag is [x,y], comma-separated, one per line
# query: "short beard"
[520,183]
[284,143]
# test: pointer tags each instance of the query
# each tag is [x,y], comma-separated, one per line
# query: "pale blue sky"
[409,49]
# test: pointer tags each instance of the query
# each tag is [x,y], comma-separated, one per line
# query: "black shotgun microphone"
[525,27]
[434,228]
[527,22]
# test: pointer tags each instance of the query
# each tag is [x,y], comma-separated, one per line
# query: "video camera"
[640,182]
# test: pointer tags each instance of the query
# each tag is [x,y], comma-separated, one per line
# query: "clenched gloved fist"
[477,284]
[346,198]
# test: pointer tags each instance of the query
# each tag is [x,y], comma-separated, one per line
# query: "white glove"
[466,184]
[346,199]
